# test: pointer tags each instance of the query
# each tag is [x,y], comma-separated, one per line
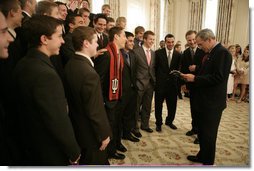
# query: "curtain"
[115,8]
[155,20]
[196,11]
[168,16]
[224,21]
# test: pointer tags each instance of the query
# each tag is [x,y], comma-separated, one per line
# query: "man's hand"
[104,144]
[188,77]
[100,52]
[192,68]
[184,88]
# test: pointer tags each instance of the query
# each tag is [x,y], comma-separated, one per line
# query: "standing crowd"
[74,84]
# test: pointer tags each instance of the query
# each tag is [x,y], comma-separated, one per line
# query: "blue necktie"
[127,58]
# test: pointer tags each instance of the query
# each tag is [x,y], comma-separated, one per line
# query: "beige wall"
[240,23]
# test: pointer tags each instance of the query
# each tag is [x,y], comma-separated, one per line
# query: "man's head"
[5,37]
[139,32]
[121,22]
[12,12]
[85,4]
[100,22]
[28,6]
[84,40]
[47,8]
[178,48]
[62,9]
[117,36]
[162,44]
[130,41]
[206,40]
[149,37]
[170,41]
[84,12]
[105,9]
[45,34]
[190,37]
[110,23]
[74,21]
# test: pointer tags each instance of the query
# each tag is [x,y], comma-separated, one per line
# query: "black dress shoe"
[194,159]
[131,138]
[147,130]
[190,133]
[117,156]
[196,141]
[121,148]
[136,134]
[172,126]
[158,128]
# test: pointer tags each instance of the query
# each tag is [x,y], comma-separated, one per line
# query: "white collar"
[86,56]
[13,33]
[145,48]
[26,13]
[167,51]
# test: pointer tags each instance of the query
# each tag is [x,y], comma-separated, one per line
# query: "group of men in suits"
[101,93]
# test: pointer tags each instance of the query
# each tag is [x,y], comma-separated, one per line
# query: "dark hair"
[236,46]
[169,36]
[190,32]
[177,46]
[45,7]
[245,58]
[80,34]
[97,16]
[110,19]
[60,3]
[70,18]
[23,3]
[113,31]
[129,34]
[147,33]
[8,5]
[39,25]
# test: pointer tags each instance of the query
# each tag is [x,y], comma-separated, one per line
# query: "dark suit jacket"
[145,73]
[129,73]
[67,50]
[212,80]
[162,70]
[105,42]
[46,126]
[25,17]
[102,67]
[187,61]
[86,103]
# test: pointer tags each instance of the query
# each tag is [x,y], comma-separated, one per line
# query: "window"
[96,6]
[137,14]
[211,15]
[162,19]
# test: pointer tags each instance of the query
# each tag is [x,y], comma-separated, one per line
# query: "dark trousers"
[114,118]
[194,123]
[208,124]
[128,109]
[169,94]
[92,156]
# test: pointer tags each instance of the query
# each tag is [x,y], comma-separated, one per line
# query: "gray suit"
[145,84]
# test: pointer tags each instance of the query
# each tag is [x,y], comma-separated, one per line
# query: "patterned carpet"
[171,147]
